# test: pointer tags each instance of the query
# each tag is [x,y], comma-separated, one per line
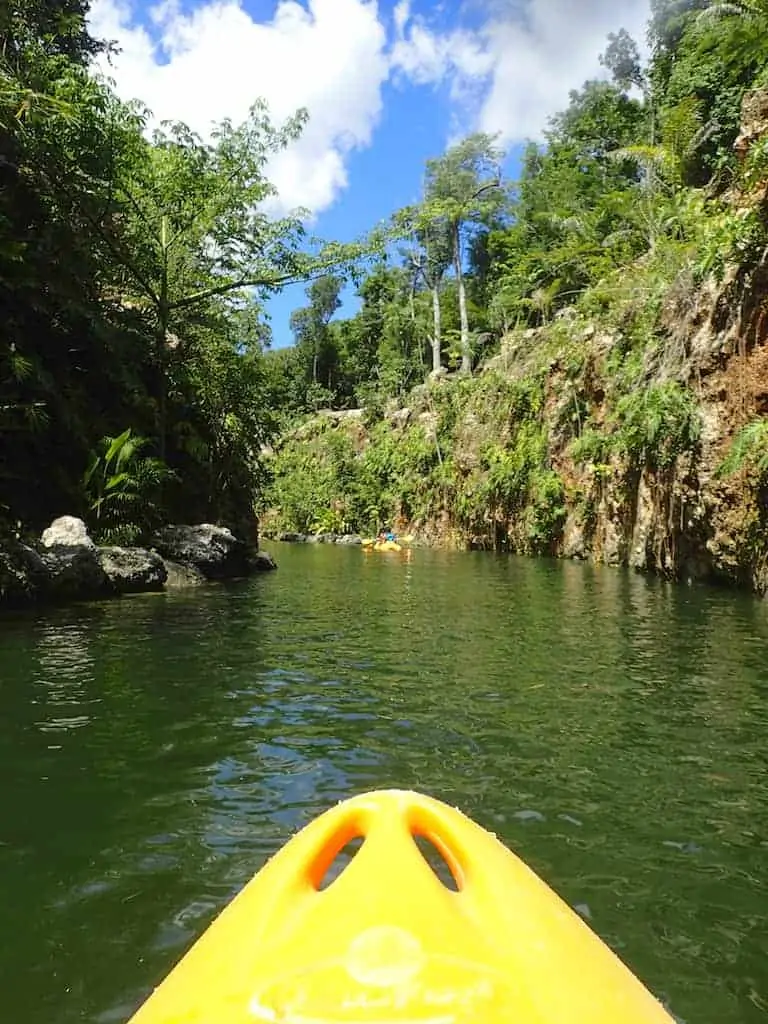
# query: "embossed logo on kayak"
[386,976]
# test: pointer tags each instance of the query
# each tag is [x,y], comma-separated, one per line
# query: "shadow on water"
[610,728]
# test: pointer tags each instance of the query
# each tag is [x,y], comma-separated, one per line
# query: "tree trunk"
[162,396]
[466,355]
[436,334]
[163,317]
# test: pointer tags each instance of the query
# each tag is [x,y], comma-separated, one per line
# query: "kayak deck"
[388,941]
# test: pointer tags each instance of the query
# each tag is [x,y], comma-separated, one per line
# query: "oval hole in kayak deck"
[339,862]
[436,861]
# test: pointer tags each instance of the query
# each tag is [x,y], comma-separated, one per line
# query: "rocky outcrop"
[66,564]
[22,573]
[133,570]
[71,559]
[213,550]
[292,537]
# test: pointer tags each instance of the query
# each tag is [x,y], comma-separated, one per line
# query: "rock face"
[133,570]
[754,121]
[213,550]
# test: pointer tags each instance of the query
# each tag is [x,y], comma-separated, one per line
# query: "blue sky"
[387,85]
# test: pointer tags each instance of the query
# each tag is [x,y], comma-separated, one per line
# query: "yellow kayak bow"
[388,941]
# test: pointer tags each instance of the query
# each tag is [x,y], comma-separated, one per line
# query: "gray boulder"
[133,570]
[74,573]
[23,575]
[71,561]
[213,550]
[261,561]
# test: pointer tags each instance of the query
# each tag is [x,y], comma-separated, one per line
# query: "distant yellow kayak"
[388,941]
[387,545]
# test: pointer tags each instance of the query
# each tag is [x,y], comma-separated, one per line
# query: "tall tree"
[428,257]
[317,352]
[463,188]
[622,58]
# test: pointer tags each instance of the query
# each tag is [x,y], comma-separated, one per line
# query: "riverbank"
[292,537]
[66,565]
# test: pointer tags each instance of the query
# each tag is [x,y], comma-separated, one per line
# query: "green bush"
[656,424]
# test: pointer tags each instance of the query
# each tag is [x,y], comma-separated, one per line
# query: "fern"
[749,449]
[657,424]
[122,486]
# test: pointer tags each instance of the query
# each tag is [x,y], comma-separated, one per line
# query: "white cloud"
[518,68]
[333,57]
[538,60]
[213,62]
[401,14]
[425,56]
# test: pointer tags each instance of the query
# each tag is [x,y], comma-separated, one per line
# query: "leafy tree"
[131,271]
[463,188]
[316,350]
[429,256]
[622,59]
[195,229]
[716,60]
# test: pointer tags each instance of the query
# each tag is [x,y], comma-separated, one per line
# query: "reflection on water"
[610,728]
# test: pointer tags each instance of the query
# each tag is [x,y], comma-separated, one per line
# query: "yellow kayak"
[382,545]
[387,545]
[388,941]
[372,544]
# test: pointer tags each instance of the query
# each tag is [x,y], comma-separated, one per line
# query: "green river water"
[610,728]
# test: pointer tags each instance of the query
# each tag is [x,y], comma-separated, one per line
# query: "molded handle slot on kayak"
[439,858]
[337,851]
[341,860]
